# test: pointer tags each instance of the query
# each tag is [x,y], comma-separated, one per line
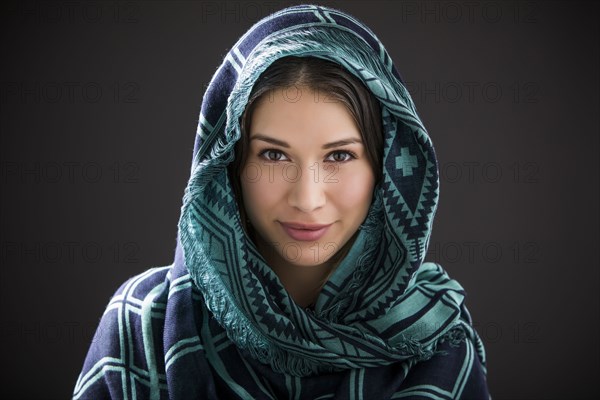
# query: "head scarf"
[219,318]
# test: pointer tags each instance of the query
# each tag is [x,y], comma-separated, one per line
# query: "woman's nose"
[307,192]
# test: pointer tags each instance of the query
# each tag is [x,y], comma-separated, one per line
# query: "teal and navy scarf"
[217,323]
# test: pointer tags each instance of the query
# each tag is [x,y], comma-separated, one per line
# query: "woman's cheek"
[259,187]
[354,187]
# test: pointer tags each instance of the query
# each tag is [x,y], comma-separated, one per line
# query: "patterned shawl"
[217,323]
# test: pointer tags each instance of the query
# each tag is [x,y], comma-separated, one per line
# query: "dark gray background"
[99,103]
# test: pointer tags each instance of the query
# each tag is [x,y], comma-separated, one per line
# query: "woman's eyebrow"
[342,142]
[281,143]
[268,139]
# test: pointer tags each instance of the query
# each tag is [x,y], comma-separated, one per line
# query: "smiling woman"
[299,270]
[303,210]
[308,183]
[307,179]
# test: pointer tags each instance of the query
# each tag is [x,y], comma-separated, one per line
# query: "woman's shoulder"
[133,317]
[457,367]
[134,298]
[138,286]
[132,293]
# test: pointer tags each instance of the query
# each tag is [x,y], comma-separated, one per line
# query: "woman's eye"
[273,155]
[340,156]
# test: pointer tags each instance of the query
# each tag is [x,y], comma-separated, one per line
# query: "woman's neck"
[303,283]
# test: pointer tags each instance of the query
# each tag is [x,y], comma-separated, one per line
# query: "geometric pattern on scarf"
[218,322]
[376,308]
[157,340]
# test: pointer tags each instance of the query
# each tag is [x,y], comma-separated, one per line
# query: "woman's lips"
[304,232]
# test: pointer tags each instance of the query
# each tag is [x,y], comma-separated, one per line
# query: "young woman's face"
[307,183]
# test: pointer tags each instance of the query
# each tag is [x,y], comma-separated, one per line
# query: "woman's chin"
[305,260]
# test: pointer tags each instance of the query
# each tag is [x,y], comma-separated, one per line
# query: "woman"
[298,270]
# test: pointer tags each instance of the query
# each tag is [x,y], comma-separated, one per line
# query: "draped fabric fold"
[217,323]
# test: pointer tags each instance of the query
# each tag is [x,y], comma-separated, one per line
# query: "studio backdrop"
[99,103]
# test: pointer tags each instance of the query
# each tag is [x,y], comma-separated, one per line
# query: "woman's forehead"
[288,118]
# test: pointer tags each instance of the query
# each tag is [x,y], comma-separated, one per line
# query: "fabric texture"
[218,324]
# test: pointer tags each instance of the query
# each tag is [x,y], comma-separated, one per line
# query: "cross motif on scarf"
[406,162]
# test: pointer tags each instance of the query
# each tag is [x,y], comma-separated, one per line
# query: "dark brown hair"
[329,80]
